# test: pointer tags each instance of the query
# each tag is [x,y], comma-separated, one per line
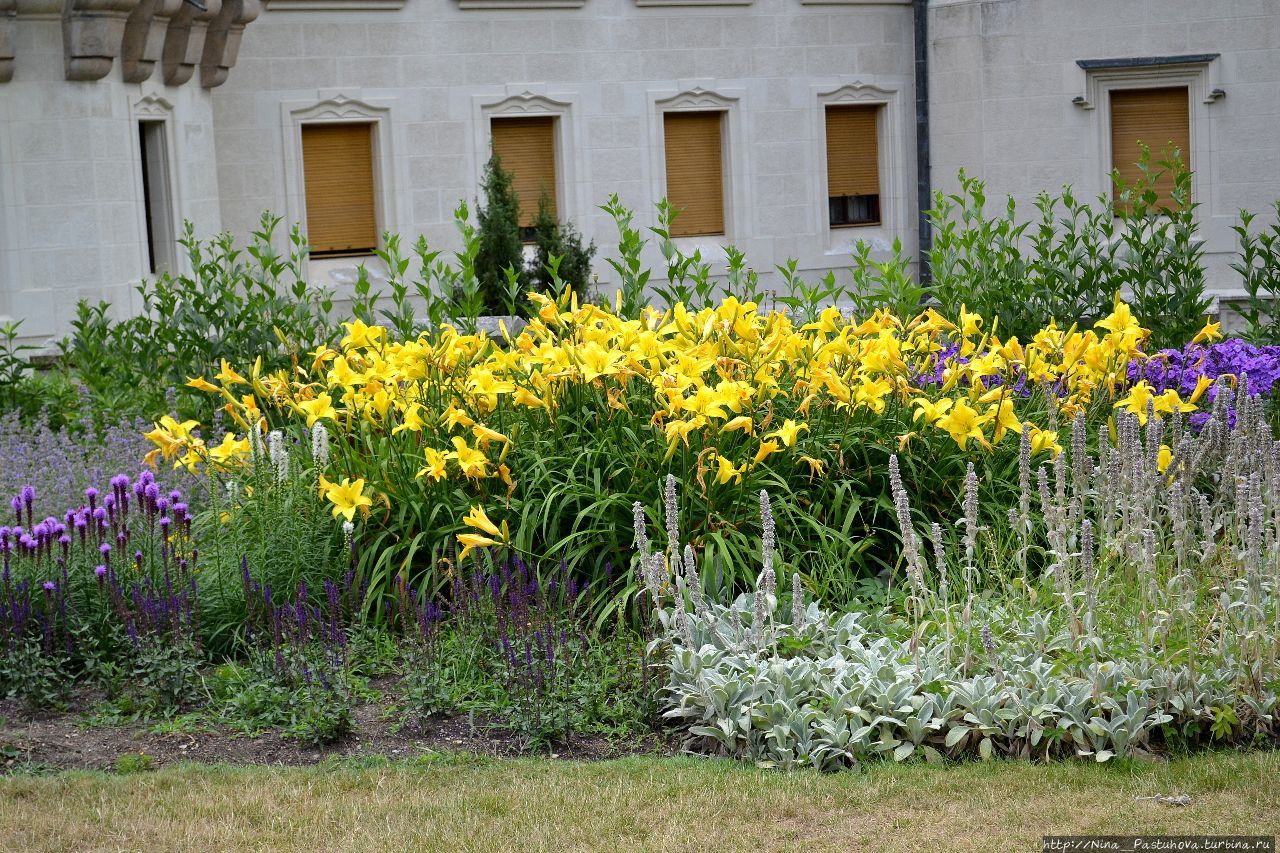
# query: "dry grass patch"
[631,804]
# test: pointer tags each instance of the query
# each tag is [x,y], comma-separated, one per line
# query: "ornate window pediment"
[697,98]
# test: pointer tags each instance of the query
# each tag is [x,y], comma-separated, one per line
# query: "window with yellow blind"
[337,172]
[526,147]
[853,165]
[695,171]
[1158,118]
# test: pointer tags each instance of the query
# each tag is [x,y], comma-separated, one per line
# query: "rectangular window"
[853,165]
[1157,117]
[337,171]
[526,147]
[157,197]
[695,171]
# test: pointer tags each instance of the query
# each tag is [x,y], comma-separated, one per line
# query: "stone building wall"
[1004,73]
[72,221]
[431,72]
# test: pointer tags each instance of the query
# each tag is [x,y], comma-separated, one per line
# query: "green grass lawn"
[460,803]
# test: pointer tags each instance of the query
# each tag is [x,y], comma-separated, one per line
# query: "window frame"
[342,109]
[734,171]
[879,220]
[157,110]
[895,151]
[1101,81]
[354,252]
[566,137]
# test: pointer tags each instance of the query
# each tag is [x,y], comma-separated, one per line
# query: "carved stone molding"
[697,98]
[222,43]
[92,31]
[153,108]
[857,92]
[526,103]
[8,10]
[143,43]
[184,41]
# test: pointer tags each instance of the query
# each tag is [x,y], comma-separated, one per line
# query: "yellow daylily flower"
[478,519]
[1211,332]
[320,407]
[789,432]
[472,462]
[228,376]
[726,471]
[346,496]
[202,385]
[472,541]
[436,467]
[963,423]
[765,450]
[816,466]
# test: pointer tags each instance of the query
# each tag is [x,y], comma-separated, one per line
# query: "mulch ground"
[64,741]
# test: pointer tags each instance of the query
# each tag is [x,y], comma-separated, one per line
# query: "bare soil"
[63,740]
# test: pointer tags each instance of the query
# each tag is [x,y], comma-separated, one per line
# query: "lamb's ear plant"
[1151,617]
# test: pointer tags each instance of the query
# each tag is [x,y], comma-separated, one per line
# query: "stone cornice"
[8,11]
[143,43]
[179,35]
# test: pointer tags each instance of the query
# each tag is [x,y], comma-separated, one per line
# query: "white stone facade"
[1009,102]
[431,74]
[1004,74]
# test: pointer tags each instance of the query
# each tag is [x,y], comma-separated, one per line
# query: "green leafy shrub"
[1078,256]
[238,303]
[1258,264]
[499,263]
[559,257]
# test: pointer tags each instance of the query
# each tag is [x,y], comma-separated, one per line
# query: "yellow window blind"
[853,151]
[1156,117]
[337,168]
[695,179]
[527,149]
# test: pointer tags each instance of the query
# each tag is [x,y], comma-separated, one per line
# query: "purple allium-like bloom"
[49,586]
[101,572]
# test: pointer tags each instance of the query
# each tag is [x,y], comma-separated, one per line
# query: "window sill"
[694,2]
[521,4]
[333,5]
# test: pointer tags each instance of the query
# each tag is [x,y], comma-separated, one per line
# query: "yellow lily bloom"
[789,432]
[436,467]
[202,385]
[963,423]
[726,471]
[766,449]
[472,462]
[346,496]
[320,407]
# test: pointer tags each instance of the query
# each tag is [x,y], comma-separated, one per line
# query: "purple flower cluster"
[306,637]
[121,560]
[1182,368]
[64,463]
[536,627]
